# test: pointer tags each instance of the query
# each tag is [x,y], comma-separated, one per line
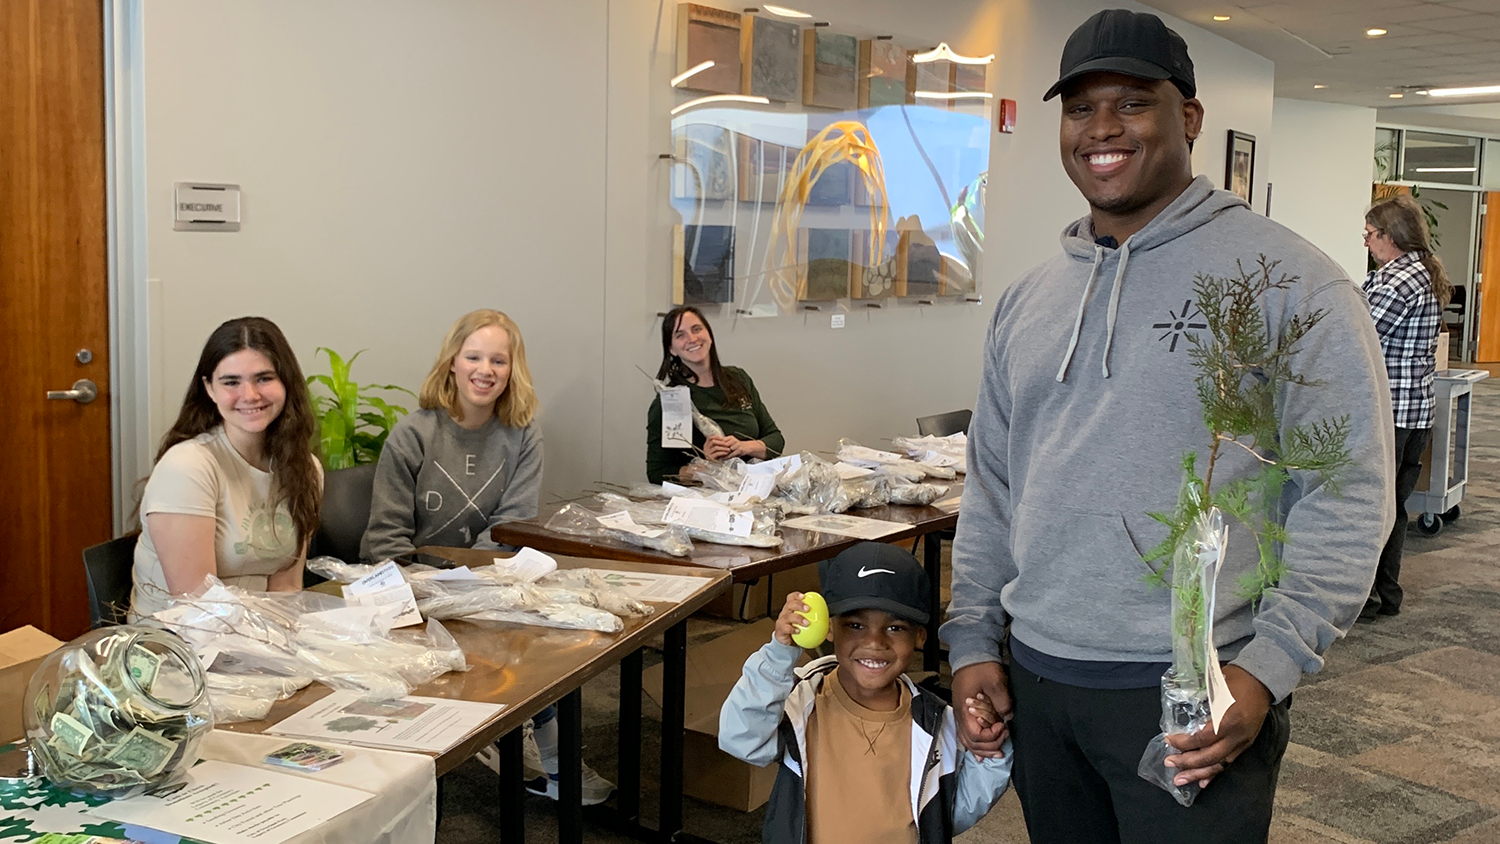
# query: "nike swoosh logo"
[864,572]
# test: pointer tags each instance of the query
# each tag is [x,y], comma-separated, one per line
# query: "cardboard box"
[20,652]
[1442,351]
[712,670]
[747,601]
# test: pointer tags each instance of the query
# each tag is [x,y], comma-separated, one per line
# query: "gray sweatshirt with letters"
[441,484]
[1085,410]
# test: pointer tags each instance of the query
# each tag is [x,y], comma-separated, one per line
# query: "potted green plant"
[353,420]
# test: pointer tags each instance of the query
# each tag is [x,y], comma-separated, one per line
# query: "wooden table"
[799,548]
[529,668]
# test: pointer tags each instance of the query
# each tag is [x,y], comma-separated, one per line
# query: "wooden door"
[55,471]
[1487,320]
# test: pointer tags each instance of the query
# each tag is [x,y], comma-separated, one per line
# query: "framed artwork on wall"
[701,170]
[702,265]
[887,75]
[1239,164]
[771,59]
[707,34]
[823,264]
[830,67]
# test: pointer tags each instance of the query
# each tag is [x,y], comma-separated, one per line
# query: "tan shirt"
[205,476]
[858,772]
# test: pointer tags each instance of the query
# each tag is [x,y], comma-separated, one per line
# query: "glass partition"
[1445,159]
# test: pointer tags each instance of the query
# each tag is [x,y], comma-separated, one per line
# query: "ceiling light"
[1397,96]
[784,12]
[953,95]
[721,98]
[1319,87]
[1445,169]
[1221,18]
[1464,92]
[1375,33]
[690,72]
[942,53]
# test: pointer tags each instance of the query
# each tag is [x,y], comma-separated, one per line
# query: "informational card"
[708,515]
[755,487]
[409,723]
[676,418]
[841,525]
[456,574]
[223,803]
[868,456]
[622,521]
[649,586]
[386,576]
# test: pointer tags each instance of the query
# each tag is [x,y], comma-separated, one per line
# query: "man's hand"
[1208,752]
[981,700]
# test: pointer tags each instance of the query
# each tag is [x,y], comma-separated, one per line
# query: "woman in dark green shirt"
[724,394]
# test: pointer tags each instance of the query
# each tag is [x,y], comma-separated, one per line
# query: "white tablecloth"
[404,810]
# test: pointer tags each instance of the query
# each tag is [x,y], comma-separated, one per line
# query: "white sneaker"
[596,789]
[531,756]
[490,757]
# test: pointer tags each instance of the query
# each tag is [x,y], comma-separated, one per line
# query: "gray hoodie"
[1085,409]
[438,483]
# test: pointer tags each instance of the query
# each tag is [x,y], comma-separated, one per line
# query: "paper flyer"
[409,723]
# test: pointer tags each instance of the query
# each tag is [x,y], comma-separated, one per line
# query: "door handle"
[83,392]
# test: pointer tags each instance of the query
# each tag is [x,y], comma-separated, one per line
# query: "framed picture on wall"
[1239,164]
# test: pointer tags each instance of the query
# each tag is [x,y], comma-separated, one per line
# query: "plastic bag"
[248,697]
[1184,687]
[762,532]
[813,487]
[917,494]
[577,520]
[870,491]
[707,427]
[950,452]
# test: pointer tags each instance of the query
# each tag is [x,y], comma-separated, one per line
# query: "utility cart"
[1437,504]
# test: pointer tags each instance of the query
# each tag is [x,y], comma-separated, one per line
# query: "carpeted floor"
[1396,741]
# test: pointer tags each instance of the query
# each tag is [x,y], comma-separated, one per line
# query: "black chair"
[1453,315]
[106,568]
[346,513]
[944,424]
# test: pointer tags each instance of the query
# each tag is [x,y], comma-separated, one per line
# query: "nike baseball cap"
[1133,43]
[876,576]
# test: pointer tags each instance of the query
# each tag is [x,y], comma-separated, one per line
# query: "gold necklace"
[868,740]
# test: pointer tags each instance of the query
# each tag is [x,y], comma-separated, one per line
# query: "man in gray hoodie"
[1086,407]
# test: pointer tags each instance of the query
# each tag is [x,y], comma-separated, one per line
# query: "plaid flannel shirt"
[1407,319]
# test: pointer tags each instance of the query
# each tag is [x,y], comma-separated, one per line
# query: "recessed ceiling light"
[1221,18]
[1464,92]
[1397,96]
[784,12]
[1319,87]
[1375,32]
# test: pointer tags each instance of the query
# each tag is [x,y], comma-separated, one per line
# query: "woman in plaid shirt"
[1407,295]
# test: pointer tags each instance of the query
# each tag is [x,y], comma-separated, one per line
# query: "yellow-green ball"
[816,630]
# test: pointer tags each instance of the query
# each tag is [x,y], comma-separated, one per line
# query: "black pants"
[1386,594]
[1075,771]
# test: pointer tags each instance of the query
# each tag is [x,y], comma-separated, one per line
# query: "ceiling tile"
[1475,5]
[1455,23]
[1411,13]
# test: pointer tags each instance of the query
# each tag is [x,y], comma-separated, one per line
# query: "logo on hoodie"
[1181,321]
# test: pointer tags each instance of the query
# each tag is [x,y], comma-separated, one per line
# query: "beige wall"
[1322,175]
[405,162]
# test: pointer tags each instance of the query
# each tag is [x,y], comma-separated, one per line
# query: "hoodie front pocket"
[1081,579]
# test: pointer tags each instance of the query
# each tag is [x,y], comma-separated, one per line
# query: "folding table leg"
[932,560]
[674,678]
[628,795]
[512,790]
[570,768]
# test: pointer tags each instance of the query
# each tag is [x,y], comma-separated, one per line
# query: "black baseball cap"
[1133,43]
[876,576]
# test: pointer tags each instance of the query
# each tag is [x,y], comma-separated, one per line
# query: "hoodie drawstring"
[1082,304]
[1114,305]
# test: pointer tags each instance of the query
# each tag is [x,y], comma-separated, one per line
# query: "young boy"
[882,759]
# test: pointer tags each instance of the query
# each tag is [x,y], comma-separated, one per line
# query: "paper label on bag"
[1219,698]
[752,487]
[849,471]
[791,463]
[860,454]
[675,489]
[676,418]
[386,576]
[399,602]
[458,574]
[937,458]
[622,521]
[528,564]
[707,515]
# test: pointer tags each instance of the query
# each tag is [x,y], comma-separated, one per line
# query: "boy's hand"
[982,685]
[791,618]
